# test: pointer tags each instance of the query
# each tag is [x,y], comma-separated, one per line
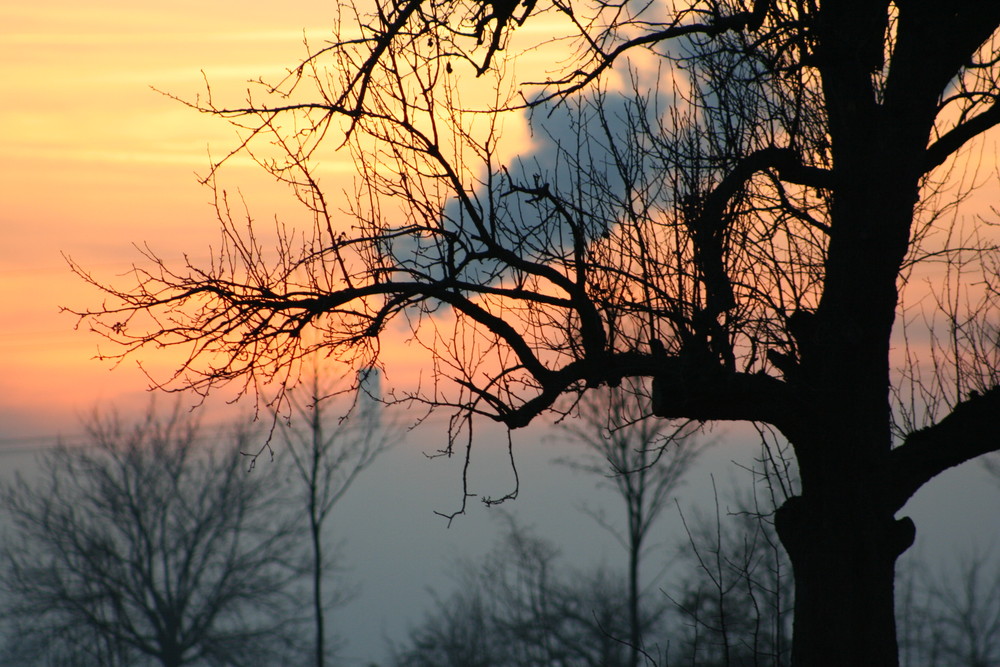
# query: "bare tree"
[952,616]
[733,594]
[458,632]
[643,465]
[328,457]
[747,238]
[524,607]
[142,547]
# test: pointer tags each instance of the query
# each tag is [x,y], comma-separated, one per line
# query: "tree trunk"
[844,567]
[171,656]
[635,622]
[316,525]
[841,534]
[317,545]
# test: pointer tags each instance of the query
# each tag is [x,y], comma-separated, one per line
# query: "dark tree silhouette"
[142,546]
[732,590]
[746,231]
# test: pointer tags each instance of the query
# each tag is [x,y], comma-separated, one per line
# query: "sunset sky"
[93,160]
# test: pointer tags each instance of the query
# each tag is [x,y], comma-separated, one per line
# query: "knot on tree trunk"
[904,531]
[801,528]
[790,521]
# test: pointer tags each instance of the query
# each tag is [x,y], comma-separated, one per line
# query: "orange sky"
[92,160]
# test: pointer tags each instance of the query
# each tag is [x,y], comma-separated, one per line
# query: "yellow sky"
[92,160]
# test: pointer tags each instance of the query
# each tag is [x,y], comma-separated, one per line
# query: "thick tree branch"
[679,391]
[707,221]
[959,135]
[969,431]
[710,394]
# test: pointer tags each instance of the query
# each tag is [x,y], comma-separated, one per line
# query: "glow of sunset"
[93,160]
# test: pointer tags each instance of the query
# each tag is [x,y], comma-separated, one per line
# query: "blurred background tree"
[644,462]
[327,455]
[150,544]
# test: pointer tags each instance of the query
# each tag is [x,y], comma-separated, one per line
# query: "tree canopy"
[759,205]
[140,549]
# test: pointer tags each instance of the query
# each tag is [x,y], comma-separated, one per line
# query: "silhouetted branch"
[969,431]
[949,143]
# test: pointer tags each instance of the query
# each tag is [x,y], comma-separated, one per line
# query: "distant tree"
[522,607]
[730,588]
[744,213]
[642,464]
[457,632]
[732,591]
[950,617]
[142,546]
[327,458]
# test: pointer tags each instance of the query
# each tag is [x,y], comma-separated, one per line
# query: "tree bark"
[844,569]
